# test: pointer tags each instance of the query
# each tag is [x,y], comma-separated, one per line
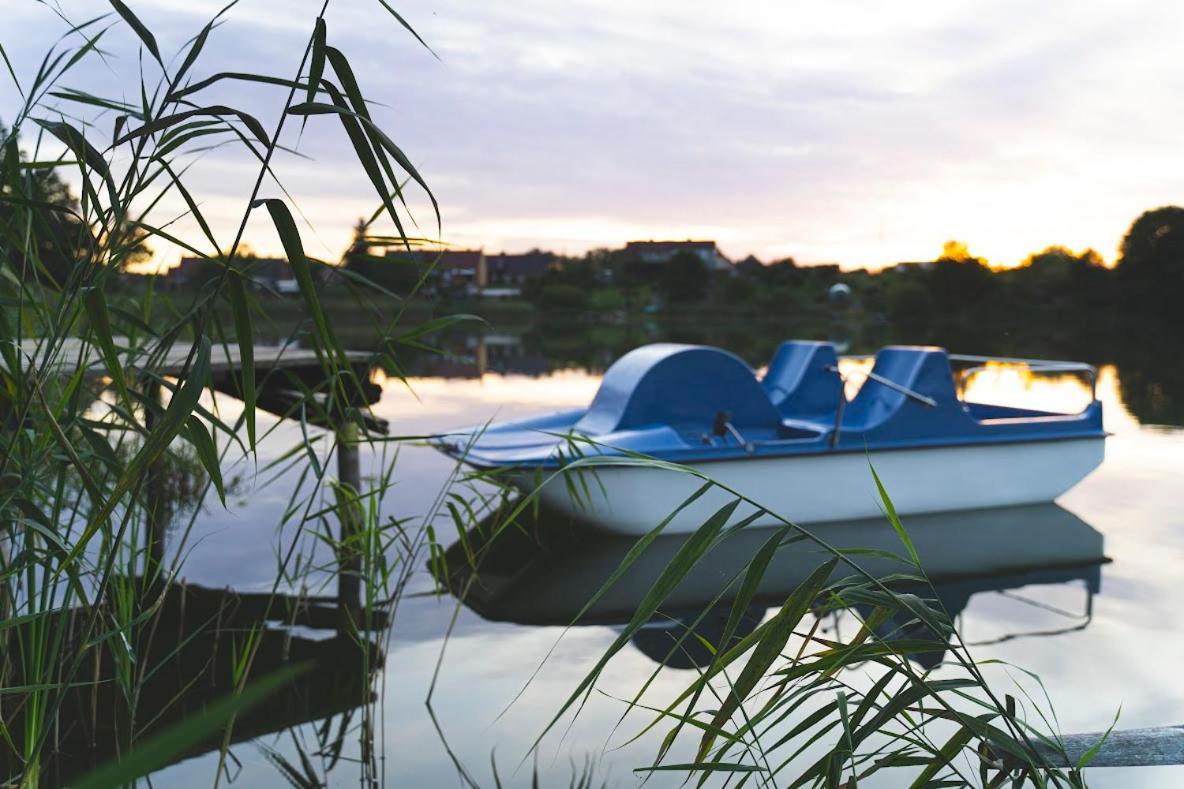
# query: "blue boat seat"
[802,381]
[884,412]
[684,386]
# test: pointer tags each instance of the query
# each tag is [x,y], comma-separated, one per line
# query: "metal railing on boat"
[984,363]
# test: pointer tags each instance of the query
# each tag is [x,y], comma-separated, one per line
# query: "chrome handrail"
[904,390]
[982,362]
[1034,365]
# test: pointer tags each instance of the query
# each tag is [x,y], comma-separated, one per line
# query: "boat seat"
[920,369]
[802,381]
[687,387]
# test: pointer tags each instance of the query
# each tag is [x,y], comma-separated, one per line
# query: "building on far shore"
[453,271]
[507,273]
[460,268]
[908,266]
[750,265]
[268,274]
[505,270]
[659,252]
[273,275]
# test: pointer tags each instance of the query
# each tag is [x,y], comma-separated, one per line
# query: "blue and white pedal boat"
[791,440]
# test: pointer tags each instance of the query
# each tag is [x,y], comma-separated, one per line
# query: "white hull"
[833,487]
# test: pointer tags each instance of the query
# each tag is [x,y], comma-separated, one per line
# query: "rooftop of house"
[529,263]
[670,246]
[444,260]
[274,268]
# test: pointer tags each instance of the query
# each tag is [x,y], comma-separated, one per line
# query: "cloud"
[855,132]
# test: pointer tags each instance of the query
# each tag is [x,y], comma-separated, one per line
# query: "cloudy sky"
[854,132]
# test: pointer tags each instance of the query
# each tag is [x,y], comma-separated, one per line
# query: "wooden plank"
[274,366]
[73,352]
[1155,747]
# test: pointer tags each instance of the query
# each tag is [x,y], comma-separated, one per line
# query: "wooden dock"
[289,382]
[73,352]
[284,374]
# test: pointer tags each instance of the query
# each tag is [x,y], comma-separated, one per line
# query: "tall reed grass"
[92,423]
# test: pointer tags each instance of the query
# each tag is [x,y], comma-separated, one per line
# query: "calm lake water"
[1100,637]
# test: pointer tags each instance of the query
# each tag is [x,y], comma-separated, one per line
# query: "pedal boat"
[789,440]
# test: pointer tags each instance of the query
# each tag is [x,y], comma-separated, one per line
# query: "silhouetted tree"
[958,279]
[1058,274]
[910,304]
[50,214]
[61,242]
[1151,261]
[684,277]
[559,296]
[780,272]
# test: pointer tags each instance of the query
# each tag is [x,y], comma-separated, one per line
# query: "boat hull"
[831,487]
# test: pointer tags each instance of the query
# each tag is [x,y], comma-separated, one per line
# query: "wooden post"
[349,476]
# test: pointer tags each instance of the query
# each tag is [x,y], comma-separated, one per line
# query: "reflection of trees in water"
[1150,385]
[1152,390]
[595,346]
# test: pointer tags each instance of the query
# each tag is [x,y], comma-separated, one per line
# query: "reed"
[789,703]
[95,436]
[91,423]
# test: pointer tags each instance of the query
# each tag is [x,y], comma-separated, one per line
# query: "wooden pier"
[289,381]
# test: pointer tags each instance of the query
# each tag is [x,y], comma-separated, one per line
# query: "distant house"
[272,275]
[508,271]
[452,270]
[658,252]
[269,274]
[456,267]
[750,265]
[188,272]
[909,265]
[824,269]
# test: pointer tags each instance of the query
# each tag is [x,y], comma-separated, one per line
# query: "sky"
[860,133]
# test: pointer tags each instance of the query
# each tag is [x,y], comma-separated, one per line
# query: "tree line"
[1055,284]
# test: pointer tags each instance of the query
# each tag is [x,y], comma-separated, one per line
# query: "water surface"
[1101,637]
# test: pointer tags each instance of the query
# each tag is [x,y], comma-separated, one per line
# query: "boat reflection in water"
[546,573]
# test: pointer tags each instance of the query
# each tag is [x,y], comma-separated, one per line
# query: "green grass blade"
[768,649]
[246,350]
[141,29]
[894,519]
[183,403]
[100,323]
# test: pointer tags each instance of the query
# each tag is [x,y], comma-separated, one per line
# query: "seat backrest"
[802,382]
[684,386]
[921,369]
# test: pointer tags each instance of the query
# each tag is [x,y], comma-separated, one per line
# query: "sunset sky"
[861,133]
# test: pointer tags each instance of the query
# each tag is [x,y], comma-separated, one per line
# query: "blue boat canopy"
[683,386]
[690,403]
